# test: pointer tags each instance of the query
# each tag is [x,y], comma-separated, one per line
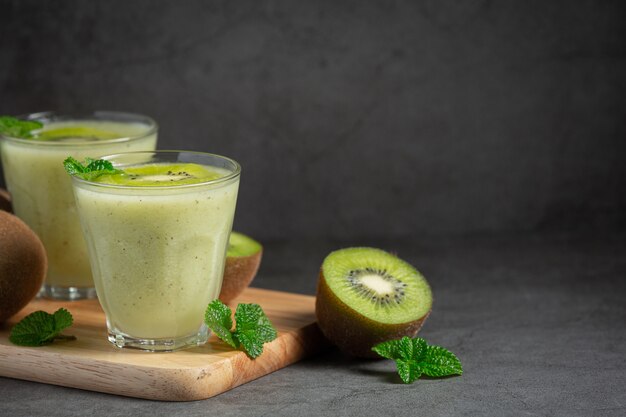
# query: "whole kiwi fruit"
[366,296]
[243,259]
[23,265]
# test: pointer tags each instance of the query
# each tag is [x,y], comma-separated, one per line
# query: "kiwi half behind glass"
[243,259]
[366,296]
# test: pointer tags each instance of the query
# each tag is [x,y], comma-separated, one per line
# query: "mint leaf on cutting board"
[253,328]
[40,328]
[218,318]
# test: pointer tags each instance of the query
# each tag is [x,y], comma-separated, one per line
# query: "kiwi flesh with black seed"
[23,265]
[366,296]
[243,259]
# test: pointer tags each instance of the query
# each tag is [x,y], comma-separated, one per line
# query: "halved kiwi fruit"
[366,296]
[242,263]
[23,264]
[5,201]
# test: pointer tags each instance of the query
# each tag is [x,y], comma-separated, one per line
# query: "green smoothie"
[42,191]
[157,236]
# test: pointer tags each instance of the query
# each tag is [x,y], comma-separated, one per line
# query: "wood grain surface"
[92,363]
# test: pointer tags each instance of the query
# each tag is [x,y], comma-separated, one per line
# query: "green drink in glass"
[42,192]
[157,234]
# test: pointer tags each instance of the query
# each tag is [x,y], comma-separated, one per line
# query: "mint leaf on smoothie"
[90,168]
[253,328]
[11,126]
[40,328]
[72,166]
[414,358]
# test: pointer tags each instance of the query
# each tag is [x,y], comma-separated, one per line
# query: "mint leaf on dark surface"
[409,371]
[218,318]
[389,349]
[414,357]
[41,328]
[439,362]
[405,348]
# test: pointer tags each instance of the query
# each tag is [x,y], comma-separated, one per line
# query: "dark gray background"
[482,141]
[356,119]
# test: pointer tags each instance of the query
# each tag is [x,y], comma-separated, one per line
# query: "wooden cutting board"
[92,363]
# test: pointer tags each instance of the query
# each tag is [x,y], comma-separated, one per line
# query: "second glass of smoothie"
[157,235]
[42,192]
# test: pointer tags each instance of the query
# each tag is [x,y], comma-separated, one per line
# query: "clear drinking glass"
[42,192]
[158,252]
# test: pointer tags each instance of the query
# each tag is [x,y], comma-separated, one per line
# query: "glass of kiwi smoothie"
[42,191]
[157,230]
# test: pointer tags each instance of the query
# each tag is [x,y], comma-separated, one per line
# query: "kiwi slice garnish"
[76,134]
[366,296]
[161,174]
[243,259]
[23,265]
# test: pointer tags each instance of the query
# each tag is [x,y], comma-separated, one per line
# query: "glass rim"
[236,172]
[98,115]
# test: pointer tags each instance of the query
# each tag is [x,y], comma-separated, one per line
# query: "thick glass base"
[121,340]
[56,292]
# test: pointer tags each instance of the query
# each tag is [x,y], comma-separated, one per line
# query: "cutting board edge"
[173,384]
[187,383]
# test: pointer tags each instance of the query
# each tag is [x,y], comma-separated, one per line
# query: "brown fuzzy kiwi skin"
[352,332]
[238,274]
[23,265]
[5,201]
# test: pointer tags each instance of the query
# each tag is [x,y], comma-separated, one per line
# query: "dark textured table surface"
[537,320]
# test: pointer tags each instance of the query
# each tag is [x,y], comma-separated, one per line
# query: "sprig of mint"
[252,328]
[414,358]
[90,169]
[40,328]
[16,128]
